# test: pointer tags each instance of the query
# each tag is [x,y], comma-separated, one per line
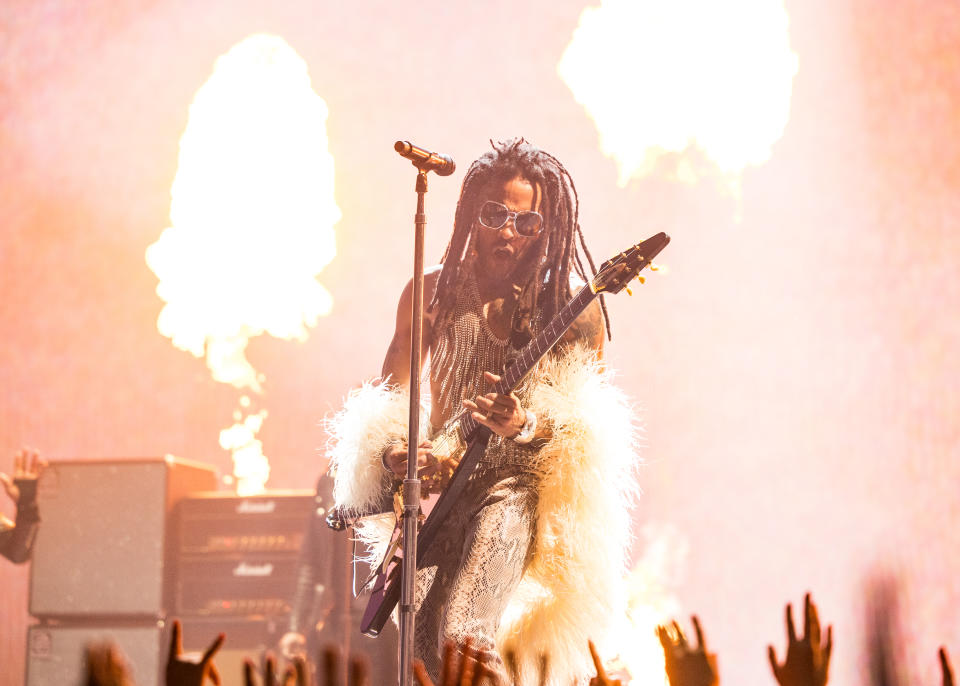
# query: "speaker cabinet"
[55,654]
[106,534]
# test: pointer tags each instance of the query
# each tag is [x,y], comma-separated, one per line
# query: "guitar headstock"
[614,274]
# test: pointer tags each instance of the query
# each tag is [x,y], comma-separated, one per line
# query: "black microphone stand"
[411,485]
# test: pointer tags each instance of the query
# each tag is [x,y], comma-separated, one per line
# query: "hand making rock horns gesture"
[186,672]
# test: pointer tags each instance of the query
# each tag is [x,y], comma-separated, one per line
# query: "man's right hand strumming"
[395,459]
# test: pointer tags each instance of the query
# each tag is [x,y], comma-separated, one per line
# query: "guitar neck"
[535,350]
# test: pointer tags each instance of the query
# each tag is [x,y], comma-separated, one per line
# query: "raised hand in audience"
[330,668]
[106,666]
[294,675]
[808,660]
[687,665]
[27,467]
[464,667]
[945,667]
[186,671]
[601,679]
[17,538]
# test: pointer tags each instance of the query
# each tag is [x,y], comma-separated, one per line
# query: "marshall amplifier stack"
[102,567]
[235,562]
[237,556]
[127,545]
[236,571]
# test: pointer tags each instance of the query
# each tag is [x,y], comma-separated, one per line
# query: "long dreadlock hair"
[547,289]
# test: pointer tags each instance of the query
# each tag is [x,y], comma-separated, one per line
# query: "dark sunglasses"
[494,215]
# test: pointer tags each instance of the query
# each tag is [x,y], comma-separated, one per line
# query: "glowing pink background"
[798,371]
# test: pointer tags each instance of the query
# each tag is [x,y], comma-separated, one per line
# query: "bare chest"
[498,315]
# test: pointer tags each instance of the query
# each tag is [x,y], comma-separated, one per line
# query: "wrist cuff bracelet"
[528,430]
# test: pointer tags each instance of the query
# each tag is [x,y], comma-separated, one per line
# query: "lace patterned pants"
[475,564]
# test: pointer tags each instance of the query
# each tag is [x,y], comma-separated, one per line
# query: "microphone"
[424,159]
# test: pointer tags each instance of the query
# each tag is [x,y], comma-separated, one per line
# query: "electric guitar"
[463,442]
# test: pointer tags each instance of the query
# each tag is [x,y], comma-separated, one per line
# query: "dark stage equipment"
[237,560]
[238,555]
[55,654]
[127,545]
[103,546]
[102,564]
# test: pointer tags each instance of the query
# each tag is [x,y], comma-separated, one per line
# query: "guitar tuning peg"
[654,267]
[641,279]
[627,288]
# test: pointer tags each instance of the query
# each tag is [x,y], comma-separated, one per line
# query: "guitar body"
[386,589]
[449,448]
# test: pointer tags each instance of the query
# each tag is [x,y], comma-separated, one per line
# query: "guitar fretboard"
[534,350]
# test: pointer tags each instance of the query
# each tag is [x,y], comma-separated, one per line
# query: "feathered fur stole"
[573,589]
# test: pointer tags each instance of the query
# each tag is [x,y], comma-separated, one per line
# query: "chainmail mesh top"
[476,562]
[464,347]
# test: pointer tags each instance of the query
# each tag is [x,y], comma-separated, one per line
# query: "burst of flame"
[250,467]
[252,216]
[668,82]
[650,602]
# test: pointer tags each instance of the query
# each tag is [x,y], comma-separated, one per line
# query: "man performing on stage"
[531,559]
